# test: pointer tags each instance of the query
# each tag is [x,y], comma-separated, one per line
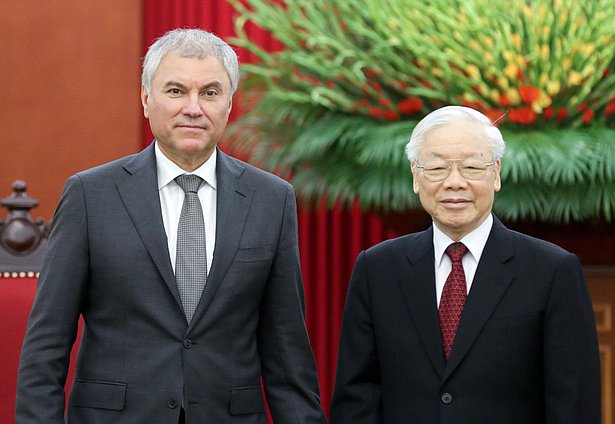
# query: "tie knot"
[456,251]
[189,183]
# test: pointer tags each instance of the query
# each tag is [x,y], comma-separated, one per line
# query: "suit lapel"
[233,203]
[139,193]
[493,276]
[419,288]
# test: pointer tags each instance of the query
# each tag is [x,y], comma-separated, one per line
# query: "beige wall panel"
[70,90]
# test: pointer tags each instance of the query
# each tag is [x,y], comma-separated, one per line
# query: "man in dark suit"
[183,263]
[496,329]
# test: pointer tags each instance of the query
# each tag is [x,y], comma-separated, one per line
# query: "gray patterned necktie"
[191,257]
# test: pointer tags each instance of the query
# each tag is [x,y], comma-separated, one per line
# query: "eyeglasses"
[439,170]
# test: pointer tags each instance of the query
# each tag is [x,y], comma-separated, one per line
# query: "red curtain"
[16,297]
[329,239]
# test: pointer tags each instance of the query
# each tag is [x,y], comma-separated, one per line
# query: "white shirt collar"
[168,170]
[474,241]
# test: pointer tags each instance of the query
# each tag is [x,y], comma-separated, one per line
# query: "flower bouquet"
[332,108]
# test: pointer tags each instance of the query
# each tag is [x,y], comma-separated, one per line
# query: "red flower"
[520,75]
[390,115]
[329,83]
[504,100]
[376,112]
[474,105]
[588,116]
[401,84]
[524,115]
[610,109]
[548,113]
[494,115]
[529,94]
[371,73]
[582,107]
[410,105]
[385,102]
[561,114]
[377,86]
[426,84]
[382,113]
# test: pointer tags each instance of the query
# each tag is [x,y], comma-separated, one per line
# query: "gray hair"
[190,43]
[447,115]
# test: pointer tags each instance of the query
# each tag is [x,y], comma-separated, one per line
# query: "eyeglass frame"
[450,163]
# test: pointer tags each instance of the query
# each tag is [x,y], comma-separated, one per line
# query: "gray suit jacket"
[108,261]
[525,351]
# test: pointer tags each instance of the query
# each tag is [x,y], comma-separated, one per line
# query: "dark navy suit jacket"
[525,351]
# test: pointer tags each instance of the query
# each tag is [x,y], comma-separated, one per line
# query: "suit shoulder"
[395,245]
[538,254]
[532,245]
[105,170]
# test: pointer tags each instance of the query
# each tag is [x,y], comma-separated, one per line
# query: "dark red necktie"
[453,297]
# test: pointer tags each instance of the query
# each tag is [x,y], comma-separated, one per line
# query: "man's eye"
[211,93]
[174,91]
[473,166]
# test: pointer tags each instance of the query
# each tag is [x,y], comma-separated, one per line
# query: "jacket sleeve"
[53,321]
[357,393]
[570,349]
[288,366]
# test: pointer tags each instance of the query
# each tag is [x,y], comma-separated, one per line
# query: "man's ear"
[497,182]
[415,183]
[230,104]
[144,97]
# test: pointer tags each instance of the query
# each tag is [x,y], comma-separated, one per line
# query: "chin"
[456,222]
[193,145]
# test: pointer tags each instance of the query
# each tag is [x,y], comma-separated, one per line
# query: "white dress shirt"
[172,199]
[474,241]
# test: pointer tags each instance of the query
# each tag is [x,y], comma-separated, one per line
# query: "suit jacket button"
[172,403]
[187,343]
[446,398]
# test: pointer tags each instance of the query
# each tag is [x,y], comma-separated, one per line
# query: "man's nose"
[192,107]
[455,179]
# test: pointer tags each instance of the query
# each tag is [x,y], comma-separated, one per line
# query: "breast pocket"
[254,254]
[512,322]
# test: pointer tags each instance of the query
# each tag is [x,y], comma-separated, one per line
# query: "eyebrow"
[213,84]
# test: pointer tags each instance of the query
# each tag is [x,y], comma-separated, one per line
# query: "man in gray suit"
[183,263]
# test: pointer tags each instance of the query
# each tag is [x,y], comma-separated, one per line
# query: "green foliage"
[554,176]
[333,109]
